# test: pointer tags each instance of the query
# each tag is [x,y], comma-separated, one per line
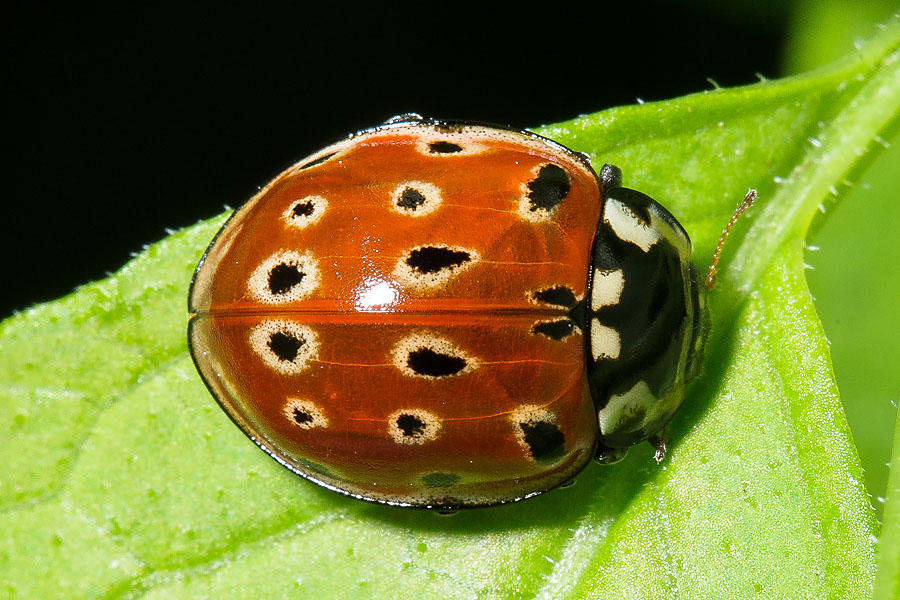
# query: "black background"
[123,122]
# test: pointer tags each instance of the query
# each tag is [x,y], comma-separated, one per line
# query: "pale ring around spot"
[430,192]
[258,283]
[431,426]
[308,351]
[439,345]
[529,414]
[413,279]
[316,416]
[319,205]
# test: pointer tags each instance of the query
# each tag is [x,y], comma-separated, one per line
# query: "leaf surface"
[119,476]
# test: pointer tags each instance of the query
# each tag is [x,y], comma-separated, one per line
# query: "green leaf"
[120,476]
[865,347]
[823,29]
[887,582]
[864,343]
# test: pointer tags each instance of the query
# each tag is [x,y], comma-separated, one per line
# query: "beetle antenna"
[714,267]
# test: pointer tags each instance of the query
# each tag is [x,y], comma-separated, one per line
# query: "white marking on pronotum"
[628,227]
[300,271]
[413,426]
[416,198]
[305,211]
[605,341]
[286,346]
[607,287]
[304,414]
[639,399]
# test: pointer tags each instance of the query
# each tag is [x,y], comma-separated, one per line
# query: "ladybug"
[447,315]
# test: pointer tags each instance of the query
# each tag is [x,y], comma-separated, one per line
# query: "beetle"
[448,315]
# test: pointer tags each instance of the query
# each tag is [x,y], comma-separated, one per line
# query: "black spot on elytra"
[548,189]
[545,441]
[283,277]
[301,417]
[303,209]
[411,199]
[431,259]
[410,425]
[426,361]
[558,295]
[443,147]
[315,162]
[440,479]
[285,346]
[555,330]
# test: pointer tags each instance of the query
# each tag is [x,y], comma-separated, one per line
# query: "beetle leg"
[607,456]
[659,441]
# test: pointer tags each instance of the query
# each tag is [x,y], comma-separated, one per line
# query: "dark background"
[126,122]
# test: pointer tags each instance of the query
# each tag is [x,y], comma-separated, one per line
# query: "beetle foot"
[659,442]
[607,456]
